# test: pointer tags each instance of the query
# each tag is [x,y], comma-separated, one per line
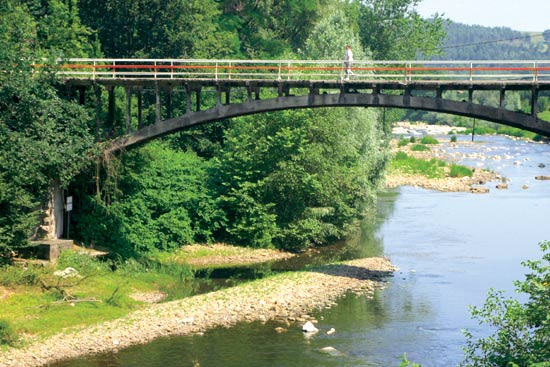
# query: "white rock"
[67,273]
[331,331]
[332,351]
[308,327]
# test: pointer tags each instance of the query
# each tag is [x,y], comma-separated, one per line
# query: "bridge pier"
[52,223]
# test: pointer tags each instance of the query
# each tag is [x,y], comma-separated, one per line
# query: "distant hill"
[474,42]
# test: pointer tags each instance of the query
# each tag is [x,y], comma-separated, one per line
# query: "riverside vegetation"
[290,180]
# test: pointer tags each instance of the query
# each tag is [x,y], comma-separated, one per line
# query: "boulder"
[308,327]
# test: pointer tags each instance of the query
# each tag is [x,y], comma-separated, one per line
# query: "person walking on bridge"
[348,62]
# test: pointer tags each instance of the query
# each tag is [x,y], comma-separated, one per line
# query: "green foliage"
[297,178]
[163,202]
[328,39]
[406,363]
[412,139]
[453,138]
[27,276]
[403,142]
[44,138]
[420,148]
[427,139]
[7,335]
[522,330]
[160,29]
[81,262]
[460,171]
[393,30]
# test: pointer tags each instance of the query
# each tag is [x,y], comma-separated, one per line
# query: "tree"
[159,29]
[522,330]
[394,30]
[271,29]
[164,202]
[43,138]
[59,30]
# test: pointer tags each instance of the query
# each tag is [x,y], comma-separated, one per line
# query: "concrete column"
[51,227]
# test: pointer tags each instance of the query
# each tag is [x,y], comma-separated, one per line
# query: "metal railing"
[407,71]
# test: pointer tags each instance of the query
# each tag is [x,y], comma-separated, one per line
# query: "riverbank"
[286,297]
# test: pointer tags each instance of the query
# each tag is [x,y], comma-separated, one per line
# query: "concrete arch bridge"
[212,90]
[186,93]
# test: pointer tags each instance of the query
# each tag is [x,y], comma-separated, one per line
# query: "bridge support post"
[140,109]
[111,111]
[128,108]
[51,227]
[169,102]
[157,109]
[97,91]
[534,101]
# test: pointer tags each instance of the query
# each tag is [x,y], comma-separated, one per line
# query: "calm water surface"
[451,248]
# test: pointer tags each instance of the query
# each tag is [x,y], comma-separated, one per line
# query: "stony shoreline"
[284,297]
[475,184]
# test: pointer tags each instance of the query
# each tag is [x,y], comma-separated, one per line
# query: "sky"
[520,15]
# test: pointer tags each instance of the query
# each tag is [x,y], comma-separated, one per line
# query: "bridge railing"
[303,69]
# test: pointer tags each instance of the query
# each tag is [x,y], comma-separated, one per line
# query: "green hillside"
[475,42]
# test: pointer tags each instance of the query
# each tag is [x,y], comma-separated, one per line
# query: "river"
[451,248]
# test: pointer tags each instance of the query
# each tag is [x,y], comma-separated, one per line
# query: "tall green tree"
[159,29]
[394,30]
[43,138]
[300,178]
[59,30]
[271,29]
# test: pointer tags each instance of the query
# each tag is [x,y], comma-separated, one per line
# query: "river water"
[451,248]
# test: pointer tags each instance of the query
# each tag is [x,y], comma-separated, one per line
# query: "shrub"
[7,334]
[429,140]
[420,148]
[402,142]
[460,171]
[412,139]
[453,139]
[521,330]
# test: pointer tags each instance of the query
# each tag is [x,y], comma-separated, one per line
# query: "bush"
[420,148]
[429,140]
[453,139]
[460,171]
[402,142]
[7,334]
[522,330]
[412,139]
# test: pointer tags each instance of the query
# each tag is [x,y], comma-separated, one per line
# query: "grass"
[433,168]
[420,148]
[460,171]
[42,304]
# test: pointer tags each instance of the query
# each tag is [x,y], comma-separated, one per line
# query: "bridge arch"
[348,98]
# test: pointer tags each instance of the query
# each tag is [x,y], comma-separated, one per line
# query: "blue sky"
[520,15]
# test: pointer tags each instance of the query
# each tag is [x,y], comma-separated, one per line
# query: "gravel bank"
[283,297]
